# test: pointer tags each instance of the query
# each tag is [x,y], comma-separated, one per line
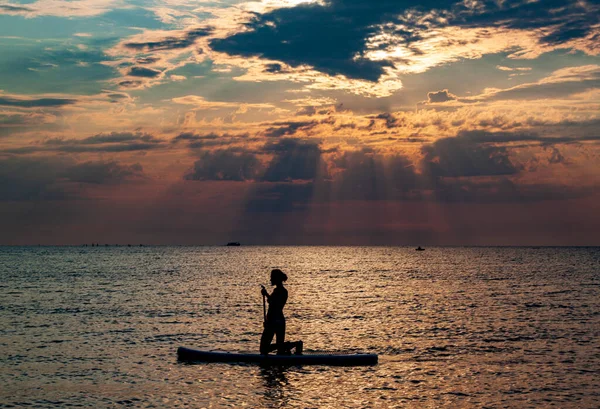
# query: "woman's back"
[277,301]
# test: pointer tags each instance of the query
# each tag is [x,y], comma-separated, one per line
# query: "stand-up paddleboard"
[194,355]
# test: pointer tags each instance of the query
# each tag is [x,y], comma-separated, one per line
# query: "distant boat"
[234,243]
[420,248]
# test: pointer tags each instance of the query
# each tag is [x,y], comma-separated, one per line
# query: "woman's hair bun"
[277,274]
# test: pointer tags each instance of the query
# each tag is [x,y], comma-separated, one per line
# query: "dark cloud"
[279,198]
[114,148]
[575,80]
[294,159]
[557,157]
[147,60]
[13,124]
[273,68]
[225,165]
[107,142]
[15,9]
[500,137]
[563,20]
[460,157]
[130,83]
[52,178]
[322,110]
[451,170]
[332,36]
[15,119]
[275,212]
[112,142]
[102,172]
[289,128]
[391,121]
[143,72]
[196,141]
[36,102]
[114,137]
[291,160]
[307,111]
[116,96]
[31,179]
[172,43]
[504,190]
[367,175]
[193,137]
[440,96]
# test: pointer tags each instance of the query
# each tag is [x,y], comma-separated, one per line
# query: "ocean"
[473,327]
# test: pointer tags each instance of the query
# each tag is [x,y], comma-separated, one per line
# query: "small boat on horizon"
[234,243]
[420,249]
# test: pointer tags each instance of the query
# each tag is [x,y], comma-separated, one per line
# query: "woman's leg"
[280,338]
[266,338]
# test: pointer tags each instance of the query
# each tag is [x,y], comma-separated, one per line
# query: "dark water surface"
[454,327]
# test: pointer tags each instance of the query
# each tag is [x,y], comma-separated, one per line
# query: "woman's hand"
[263,291]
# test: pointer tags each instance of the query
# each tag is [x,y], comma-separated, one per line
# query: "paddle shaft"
[264,308]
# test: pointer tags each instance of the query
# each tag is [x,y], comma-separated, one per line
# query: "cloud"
[459,157]
[112,142]
[25,102]
[503,190]
[559,21]
[294,159]
[48,178]
[440,96]
[73,8]
[113,137]
[361,40]
[273,68]
[557,157]
[31,179]
[226,166]
[201,103]
[12,123]
[192,137]
[129,84]
[186,40]
[197,141]
[279,198]
[390,120]
[489,137]
[561,83]
[143,72]
[505,68]
[11,8]
[368,175]
[285,160]
[154,54]
[147,60]
[289,128]
[101,173]
[328,38]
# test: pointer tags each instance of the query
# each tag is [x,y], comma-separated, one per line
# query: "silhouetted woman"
[275,321]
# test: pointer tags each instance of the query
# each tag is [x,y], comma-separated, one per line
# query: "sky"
[300,122]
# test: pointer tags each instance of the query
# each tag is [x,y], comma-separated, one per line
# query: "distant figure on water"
[274,324]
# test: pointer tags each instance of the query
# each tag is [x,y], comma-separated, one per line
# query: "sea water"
[453,327]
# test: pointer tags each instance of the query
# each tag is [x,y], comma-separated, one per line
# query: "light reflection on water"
[463,327]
